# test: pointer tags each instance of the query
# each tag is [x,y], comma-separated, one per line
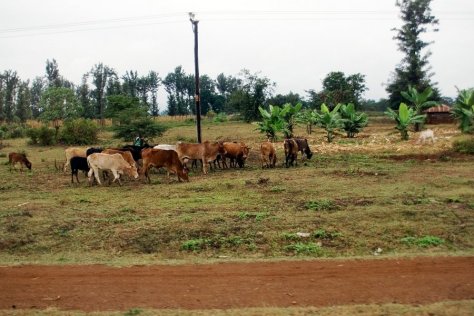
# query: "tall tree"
[414,68]
[101,75]
[84,97]
[11,81]
[177,84]
[52,73]
[37,88]
[23,109]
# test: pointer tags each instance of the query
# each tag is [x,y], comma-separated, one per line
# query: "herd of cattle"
[134,160]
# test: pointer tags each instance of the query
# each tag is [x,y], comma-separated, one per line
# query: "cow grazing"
[160,158]
[135,150]
[14,158]
[291,152]
[78,163]
[93,150]
[73,152]
[127,155]
[267,155]
[236,152]
[425,135]
[113,162]
[303,147]
[206,151]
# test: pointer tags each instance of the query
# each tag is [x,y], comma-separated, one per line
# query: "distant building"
[439,114]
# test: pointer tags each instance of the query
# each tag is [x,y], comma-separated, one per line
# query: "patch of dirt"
[238,285]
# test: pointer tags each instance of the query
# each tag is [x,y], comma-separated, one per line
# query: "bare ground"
[317,283]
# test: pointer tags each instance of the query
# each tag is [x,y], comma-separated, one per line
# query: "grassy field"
[369,196]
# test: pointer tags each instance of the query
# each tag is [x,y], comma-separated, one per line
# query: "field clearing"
[369,196]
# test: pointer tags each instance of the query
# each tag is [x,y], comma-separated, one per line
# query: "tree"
[414,68]
[11,80]
[289,115]
[59,104]
[352,121]
[85,100]
[52,73]
[101,75]
[337,88]
[252,93]
[463,110]
[404,118]
[177,85]
[280,99]
[38,86]
[122,108]
[419,101]
[23,110]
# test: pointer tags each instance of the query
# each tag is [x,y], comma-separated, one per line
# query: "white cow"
[114,163]
[165,147]
[425,135]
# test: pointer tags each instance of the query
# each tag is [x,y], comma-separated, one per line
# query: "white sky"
[294,43]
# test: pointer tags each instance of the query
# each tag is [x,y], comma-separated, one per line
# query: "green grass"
[350,203]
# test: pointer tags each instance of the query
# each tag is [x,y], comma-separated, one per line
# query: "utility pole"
[196,76]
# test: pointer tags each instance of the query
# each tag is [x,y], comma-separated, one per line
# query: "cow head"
[183,173]
[131,171]
[28,164]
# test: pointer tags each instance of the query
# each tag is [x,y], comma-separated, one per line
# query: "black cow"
[93,150]
[78,163]
[303,147]
[291,152]
[135,150]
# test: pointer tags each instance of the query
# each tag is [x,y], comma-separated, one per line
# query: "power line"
[219,16]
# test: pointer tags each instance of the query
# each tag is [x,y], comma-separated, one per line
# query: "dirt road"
[237,285]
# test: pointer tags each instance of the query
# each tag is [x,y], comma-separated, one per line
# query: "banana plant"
[419,101]
[289,115]
[353,122]
[329,120]
[463,110]
[404,118]
[272,121]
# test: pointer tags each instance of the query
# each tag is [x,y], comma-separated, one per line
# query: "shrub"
[304,248]
[43,136]
[12,131]
[145,127]
[465,145]
[79,132]
[219,118]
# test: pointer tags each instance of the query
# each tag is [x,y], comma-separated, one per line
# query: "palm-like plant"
[289,114]
[272,121]
[463,110]
[419,101]
[404,118]
[329,120]
[353,122]
[309,118]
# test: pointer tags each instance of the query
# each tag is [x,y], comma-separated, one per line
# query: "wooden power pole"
[196,76]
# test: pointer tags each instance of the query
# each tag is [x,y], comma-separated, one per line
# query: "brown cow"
[303,147]
[159,158]
[236,152]
[291,152]
[267,155]
[114,163]
[73,152]
[14,158]
[127,155]
[207,152]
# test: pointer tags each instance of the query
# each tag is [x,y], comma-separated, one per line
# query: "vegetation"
[404,118]
[463,110]
[333,212]
[352,121]
[419,101]
[79,132]
[413,71]
[329,120]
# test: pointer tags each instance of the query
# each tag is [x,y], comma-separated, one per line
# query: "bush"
[12,131]
[46,136]
[145,127]
[465,145]
[33,134]
[79,132]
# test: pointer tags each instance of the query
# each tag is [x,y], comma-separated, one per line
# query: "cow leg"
[72,176]
[95,171]
[116,177]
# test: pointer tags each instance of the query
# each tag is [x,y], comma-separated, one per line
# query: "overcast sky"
[294,43]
